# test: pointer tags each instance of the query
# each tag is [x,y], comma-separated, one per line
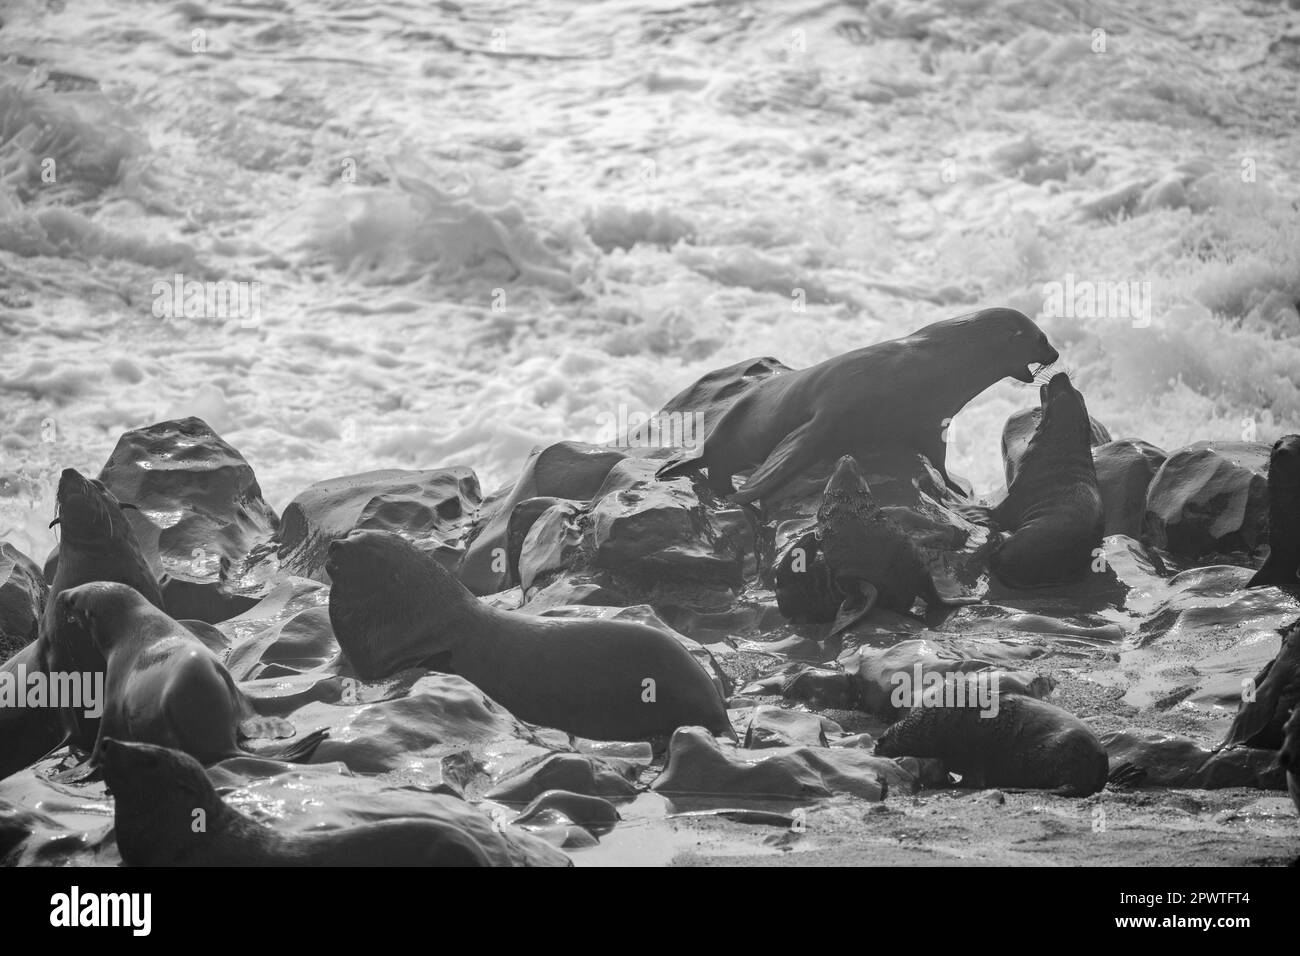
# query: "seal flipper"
[680,467]
[1270,575]
[858,604]
[781,465]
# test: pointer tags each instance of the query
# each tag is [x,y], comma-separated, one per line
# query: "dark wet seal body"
[1282,566]
[900,394]
[1027,743]
[162,685]
[159,794]
[1053,511]
[392,606]
[1288,758]
[96,544]
[870,559]
[1260,720]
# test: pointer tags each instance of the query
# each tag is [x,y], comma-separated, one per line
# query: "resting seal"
[96,544]
[392,606]
[870,559]
[1282,565]
[1053,509]
[162,684]
[1027,743]
[900,394]
[157,791]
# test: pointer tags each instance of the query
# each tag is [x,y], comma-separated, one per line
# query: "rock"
[1125,469]
[579,773]
[567,469]
[698,765]
[572,590]
[1241,767]
[818,687]
[778,727]
[662,530]
[1020,428]
[200,510]
[428,729]
[1210,498]
[543,537]
[430,508]
[22,600]
[595,814]
[886,680]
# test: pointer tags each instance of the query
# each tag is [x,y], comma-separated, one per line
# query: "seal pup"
[1024,743]
[159,794]
[1051,519]
[162,684]
[901,393]
[97,543]
[1282,565]
[870,559]
[392,606]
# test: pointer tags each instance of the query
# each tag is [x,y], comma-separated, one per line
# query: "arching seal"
[162,684]
[96,544]
[1282,565]
[392,606]
[158,795]
[1052,518]
[870,559]
[1026,743]
[902,394]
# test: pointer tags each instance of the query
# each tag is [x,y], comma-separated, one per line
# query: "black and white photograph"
[650,433]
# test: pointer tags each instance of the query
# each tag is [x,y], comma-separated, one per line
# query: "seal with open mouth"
[392,606]
[900,394]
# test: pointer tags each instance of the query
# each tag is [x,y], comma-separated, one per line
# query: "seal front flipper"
[680,467]
[783,462]
[861,599]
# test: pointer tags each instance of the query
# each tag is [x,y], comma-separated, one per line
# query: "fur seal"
[157,793]
[97,543]
[392,606]
[870,559]
[901,393]
[1282,565]
[1260,721]
[1026,743]
[1288,758]
[1051,519]
[162,684]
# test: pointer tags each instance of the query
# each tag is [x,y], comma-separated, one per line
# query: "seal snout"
[847,476]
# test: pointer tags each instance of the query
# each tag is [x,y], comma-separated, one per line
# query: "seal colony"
[559,687]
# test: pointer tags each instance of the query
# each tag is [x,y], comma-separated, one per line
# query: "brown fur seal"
[1027,743]
[870,559]
[1259,722]
[162,684]
[159,795]
[1288,758]
[902,394]
[392,606]
[1281,567]
[1053,509]
[96,544]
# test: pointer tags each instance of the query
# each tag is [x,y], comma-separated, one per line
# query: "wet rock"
[200,509]
[885,681]
[1210,498]
[645,528]
[430,508]
[1125,469]
[567,469]
[286,632]
[778,727]
[1020,427]
[699,765]
[543,537]
[595,814]
[22,600]
[580,589]
[819,687]
[422,728]
[579,773]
